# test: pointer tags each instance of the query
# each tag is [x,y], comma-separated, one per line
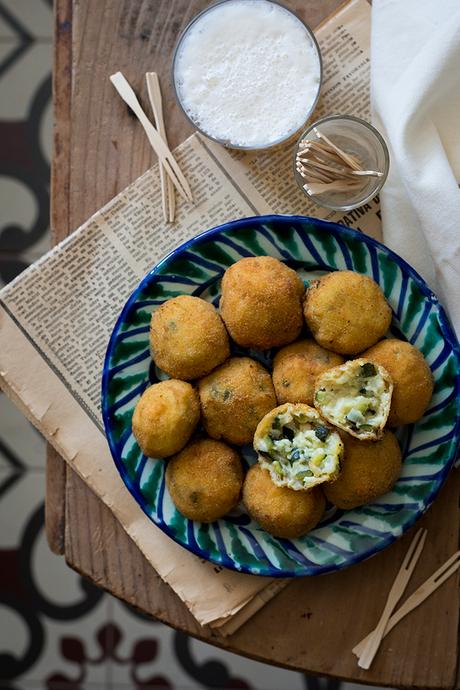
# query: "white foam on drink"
[247,73]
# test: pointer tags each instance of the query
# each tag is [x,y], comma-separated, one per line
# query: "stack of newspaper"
[56,317]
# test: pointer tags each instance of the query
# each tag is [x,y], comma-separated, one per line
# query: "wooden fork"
[423,592]
[396,592]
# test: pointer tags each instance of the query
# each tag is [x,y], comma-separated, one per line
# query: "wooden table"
[312,625]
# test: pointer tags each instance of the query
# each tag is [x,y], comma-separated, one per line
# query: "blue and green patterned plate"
[312,247]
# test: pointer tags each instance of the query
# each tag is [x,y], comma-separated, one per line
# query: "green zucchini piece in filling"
[356,397]
[297,447]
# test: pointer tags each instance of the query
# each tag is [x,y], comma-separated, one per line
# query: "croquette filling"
[299,451]
[355,399]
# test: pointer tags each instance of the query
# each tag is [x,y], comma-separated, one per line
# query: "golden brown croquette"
[261,302]
[279,510]
[369,470]
[355,397]
[188,338]
[298,447]
[346,312]
[412,379]
[165,418]
[234,398]
[296,367]
[205,480]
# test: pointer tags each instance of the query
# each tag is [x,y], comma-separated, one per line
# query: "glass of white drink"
[247,73]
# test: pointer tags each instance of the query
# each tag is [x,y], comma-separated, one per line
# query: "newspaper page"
[55,321]
[56,317]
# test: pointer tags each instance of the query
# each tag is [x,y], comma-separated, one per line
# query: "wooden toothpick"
[325,167]
[168,199]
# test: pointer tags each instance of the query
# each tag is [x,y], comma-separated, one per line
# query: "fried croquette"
[297,447]
[412,379]
[261,302]
[281,511]
[165,418]
[356,397]
[188,338]
[296,367]
[346,312]
[205,480]
[369,470]
[234,398]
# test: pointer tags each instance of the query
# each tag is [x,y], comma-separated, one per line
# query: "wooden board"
[315,622]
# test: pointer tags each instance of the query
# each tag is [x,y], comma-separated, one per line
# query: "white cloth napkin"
[415,85]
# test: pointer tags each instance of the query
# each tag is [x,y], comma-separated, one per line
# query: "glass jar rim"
[381,181]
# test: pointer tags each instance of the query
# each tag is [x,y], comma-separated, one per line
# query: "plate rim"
[153,276]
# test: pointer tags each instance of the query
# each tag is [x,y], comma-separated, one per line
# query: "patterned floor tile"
[75,655]
[26,19]
[21,446]
[355,686]
[25,135]
[158,652]
[203,658]
[10,267]
[23,69]
[145,652]
[47,608]
[19,206]
[64,685]
[18,503]
[23,229]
